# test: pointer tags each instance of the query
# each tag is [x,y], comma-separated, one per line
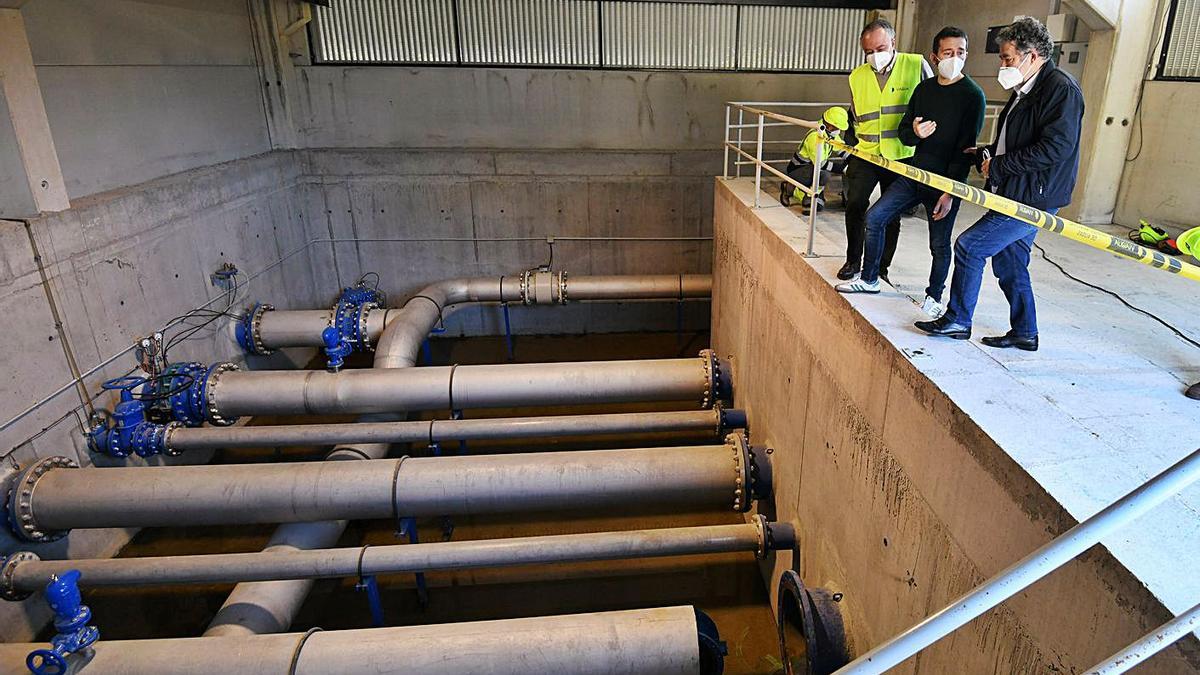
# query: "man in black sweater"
[943,119]
[1034,160]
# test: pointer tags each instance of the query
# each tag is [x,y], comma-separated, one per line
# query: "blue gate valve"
[128,431]
[336,348]
[71,619]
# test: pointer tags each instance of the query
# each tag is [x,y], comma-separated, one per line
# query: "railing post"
[758,161]
[812,199]
[725,142]
[737,166]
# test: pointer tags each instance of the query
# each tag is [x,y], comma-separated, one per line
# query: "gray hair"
[1027,34]
[878,24]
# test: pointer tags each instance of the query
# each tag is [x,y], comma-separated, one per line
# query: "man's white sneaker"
[857,285]
[933,308]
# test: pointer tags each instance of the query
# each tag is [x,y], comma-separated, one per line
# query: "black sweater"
[958,110]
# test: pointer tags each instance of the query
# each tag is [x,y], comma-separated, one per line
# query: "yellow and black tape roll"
[1067,228]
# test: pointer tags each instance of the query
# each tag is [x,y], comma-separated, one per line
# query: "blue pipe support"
[71,619]
[407,527]
[374,601]
[508,339]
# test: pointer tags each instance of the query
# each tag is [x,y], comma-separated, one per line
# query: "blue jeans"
[902,195]
[1007,241]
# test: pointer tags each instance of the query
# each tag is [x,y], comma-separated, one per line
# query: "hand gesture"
[942,208]
[922,128]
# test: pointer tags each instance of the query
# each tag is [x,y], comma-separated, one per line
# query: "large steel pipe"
[648,287]
[23,573]
[635,642]
[383,389]
[440,431]
[302,328]
[50,498]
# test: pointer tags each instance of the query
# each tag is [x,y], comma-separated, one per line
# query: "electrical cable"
[1178,333]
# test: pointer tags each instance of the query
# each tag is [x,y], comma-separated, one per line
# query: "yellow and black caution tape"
[1047,221]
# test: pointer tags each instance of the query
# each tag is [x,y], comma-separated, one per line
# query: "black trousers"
[860,180]
[802,170]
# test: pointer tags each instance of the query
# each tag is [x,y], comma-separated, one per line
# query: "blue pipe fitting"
[247,330]
[733,418]
[128,431]
[713,649]
[336,348]
[71,619]
[360,294]
[187,389]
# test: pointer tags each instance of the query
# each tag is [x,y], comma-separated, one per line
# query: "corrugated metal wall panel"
[530,32]
[664,35]
[385,31]
[799,38]
[1183,52]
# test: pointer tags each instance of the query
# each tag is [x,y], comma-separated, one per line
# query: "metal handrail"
[1149,644]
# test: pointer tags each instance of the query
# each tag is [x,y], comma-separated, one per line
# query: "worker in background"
[813,151]
[1034,160]
[879,89]
[943,119]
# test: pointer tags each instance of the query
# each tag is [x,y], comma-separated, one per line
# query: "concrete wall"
[135,90]
[383,106]
[902,501]
[14,186]
[121,264]
[1157,184]
[457,213]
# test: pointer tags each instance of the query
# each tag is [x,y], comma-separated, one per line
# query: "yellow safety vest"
[877,113]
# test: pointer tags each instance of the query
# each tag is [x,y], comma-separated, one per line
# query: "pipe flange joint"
[760,472]
[730,419]
[526,287]
[764,536]
[712,377]
[20,500]
[249,330]
[562,288]
[364,336]
[8,572]
[742,498]
[208,386]
[169,430]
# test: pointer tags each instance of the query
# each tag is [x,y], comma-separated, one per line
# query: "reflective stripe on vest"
[877,114]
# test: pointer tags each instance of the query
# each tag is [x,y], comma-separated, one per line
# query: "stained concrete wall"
[1157,185]
[14,186]
[120,264]
[902,501]
[463,213]
[135,90]
[513,108]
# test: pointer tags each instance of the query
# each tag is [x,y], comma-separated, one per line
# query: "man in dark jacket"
[1034,160]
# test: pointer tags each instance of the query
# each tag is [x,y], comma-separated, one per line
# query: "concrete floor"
[727,586]
[1091,415]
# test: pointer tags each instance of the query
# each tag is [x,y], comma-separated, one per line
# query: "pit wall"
[902,503]
[464,212]
[119,265]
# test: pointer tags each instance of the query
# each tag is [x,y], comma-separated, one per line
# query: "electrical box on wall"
[1070,57]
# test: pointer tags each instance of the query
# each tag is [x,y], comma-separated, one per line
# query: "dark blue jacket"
[1041,142]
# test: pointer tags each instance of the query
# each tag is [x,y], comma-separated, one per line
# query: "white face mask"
[952,67]
[1011,76]
[879,60]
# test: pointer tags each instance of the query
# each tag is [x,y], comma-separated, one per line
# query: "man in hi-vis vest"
[879,89]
